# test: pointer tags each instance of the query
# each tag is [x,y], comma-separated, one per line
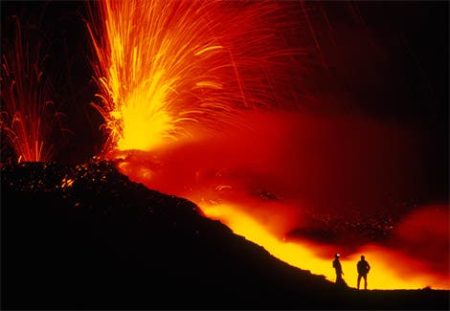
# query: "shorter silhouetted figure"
[338,267]
[363,268]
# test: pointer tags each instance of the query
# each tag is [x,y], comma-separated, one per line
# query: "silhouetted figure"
[338,267]
[363,268]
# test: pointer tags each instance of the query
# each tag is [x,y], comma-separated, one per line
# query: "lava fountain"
[25,91]
[169,69]
[182,86]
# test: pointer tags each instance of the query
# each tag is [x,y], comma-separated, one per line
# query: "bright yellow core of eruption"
[145,122]
[158,66]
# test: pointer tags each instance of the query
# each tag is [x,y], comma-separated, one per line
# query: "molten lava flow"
[391,269]
[251,190]
[165,66]
[24,92]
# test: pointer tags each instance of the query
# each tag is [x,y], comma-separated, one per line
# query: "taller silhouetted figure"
[363,268]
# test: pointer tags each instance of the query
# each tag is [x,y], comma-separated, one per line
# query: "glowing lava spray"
[167,69]
[24,97]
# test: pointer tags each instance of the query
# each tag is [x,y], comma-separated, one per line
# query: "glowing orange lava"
[303,254]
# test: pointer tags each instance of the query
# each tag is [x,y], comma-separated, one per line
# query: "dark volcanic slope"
[86,236]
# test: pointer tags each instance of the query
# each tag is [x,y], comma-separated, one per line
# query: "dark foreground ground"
[103,241]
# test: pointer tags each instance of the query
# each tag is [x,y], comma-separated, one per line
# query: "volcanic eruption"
[285,121]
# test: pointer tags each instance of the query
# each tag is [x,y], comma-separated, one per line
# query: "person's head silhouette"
[363,258]
[337,255]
